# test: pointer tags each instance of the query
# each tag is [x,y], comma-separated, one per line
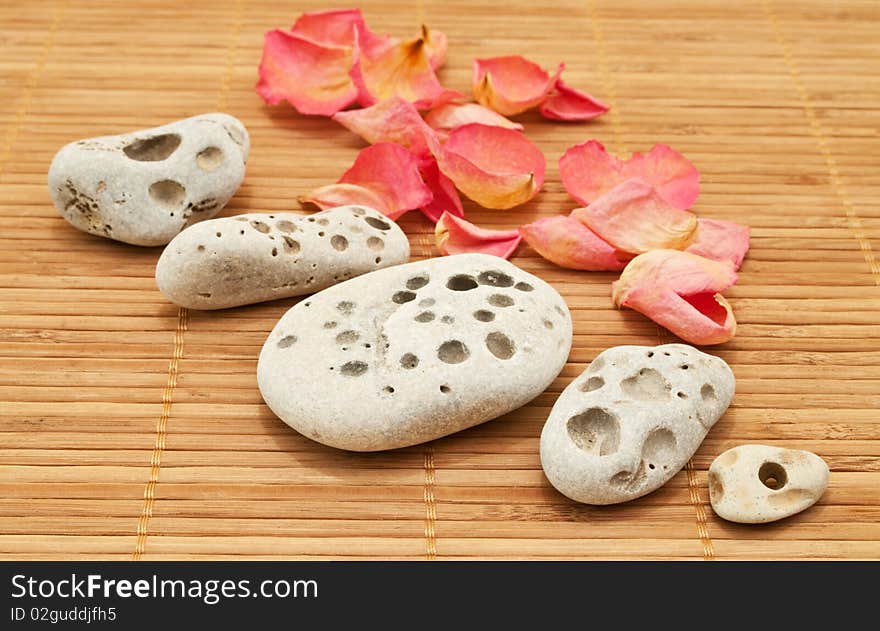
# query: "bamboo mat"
[131,429]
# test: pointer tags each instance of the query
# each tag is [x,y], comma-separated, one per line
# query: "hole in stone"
[388,390]
[495,279]
[321,234]
[290,245]
[409,361]
[210,158]
[241,232]
[287,341]
[357,210]
[330,325]
[500,300]
[201,248]
[560,311]
[596,431]
[593,383]
[402,297]
[378,260]
[667,354]
[484,316]
[772,475]
[685,366]
[339,242]
[453,352]
[353,369]
[427,302]
[548,324]
[378,224]
[205,294]
[235,133]
[259,226]
[523,287]
[285,226]
[218,235]
[368,345]
[447,319]
[417,282]
[274,251]
[375,243]
[659,446]
[152,149]
[168,193]
[323,221]
[346,307]
[645,385]
[500,345]
[708,392]
[650,354]
[716,489]
[425,316]
[348,337]
[651,467]
[311,220]
[461,282]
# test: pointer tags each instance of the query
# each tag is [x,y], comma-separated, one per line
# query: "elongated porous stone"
[250,258]
[754,484]
[145,186]
[414,352]
[632,420]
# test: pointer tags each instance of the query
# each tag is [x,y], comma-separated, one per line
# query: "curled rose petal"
[403,70]
[446,199]
[392,120]
[567,242]
[512,84]
[310,76]
[568,104]
[634,218]
[447,117]
[721,241]
[680,291]
[333,27]
[387,171]
[454,235]
[495,167]
[437,44]
[588,172]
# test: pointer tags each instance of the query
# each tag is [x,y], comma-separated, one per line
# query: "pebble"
[145,186]
[414,352]
[754,484]
[632,420]
[250,258]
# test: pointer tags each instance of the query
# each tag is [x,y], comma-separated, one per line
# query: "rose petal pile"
[635,218]
[634,213]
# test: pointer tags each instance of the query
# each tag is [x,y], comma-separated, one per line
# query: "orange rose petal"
[512,84]
[446,199]
[310,76]
[495,167]
[680,291]
[567,242]
[392,120]
[721,241]
[447,117]
[402,70]
[634,218]
[454,235]
[437,44]
[387,171]
[588,172]
[334,195]
[568,104]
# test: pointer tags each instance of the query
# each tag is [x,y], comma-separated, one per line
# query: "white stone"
[250,258]
[754,484]
[145,186]
[414,352]
[632,420]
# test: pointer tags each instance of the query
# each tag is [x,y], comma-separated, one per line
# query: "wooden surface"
[130,429]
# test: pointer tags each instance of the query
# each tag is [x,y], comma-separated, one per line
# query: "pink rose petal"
[567,242]
[634,218]
[565,103]
[334,195]
[588,171]
[334,27]
[454,235]
[495,167]
[680,291]
[445,198]
[721,241]
[512,84]
[392,120]
[447,117]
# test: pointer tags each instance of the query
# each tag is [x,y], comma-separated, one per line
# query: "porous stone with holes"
[144,187]
[255,257]
[418,351]
[632,420]
[755,484]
